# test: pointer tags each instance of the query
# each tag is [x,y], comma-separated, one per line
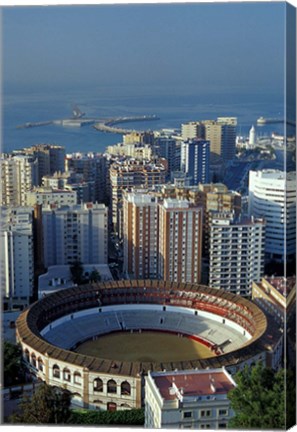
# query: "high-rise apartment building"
[94,168]
[162,237]
[51,158]
[75,233]
[272,195]
[129,173]
[192,130]
[216,199]
[221,133]
[236,253]
[17,263]
[141,235]
[195,159]
[71,182]
[19,173]
[180,241]
[222,136]
[166,147]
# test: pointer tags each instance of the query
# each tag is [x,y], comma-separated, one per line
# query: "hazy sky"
[231,44]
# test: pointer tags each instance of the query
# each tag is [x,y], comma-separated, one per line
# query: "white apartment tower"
[236,253]
[272,195]
[17,255]
[18,175]
[75,233]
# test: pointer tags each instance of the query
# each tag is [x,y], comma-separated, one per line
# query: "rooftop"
[193,383]
[283,285]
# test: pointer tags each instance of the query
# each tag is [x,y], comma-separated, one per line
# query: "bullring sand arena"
[146,346]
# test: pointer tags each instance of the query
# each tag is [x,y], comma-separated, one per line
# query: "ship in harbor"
[263,121]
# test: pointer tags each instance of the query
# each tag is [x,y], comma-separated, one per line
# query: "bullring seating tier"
[70,333]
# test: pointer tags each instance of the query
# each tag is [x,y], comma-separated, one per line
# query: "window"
[205,413]
[223,412]
[40,364]
[27,355]
[56,371]
[33,360]
[125,388]
[187,414]
[222,425]
[111,386]
[98,385]
[66,374]
[77,378]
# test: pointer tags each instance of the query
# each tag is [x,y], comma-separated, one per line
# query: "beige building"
[50,158]
[162,238]
[276,296]
[188,399]
[19,174]
[125,175]
[45,196]
[180,241]
[141,235]
[221,133]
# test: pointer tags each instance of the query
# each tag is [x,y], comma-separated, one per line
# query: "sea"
[172,105]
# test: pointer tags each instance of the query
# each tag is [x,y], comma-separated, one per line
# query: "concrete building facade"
[180,241]
[189,399]
[272,195]
[195,160]
[46,196]
[17,255]
[125,175]
[236,253]
[141,235]
[75,233]
[19,174]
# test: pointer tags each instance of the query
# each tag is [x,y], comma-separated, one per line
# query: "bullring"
[50,330]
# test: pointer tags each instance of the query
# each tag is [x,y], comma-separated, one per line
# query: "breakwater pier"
[103,125]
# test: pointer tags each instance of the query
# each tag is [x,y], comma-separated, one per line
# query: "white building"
[252,136]
[236,253]
[190,399]
[272,195]
[45,196]
[75,233]
[18,175]
[17,255]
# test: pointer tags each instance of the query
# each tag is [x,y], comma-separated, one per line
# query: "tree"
[49,405]
[13,370]
[77,273]
[94,276]
[133,417]
[259,399]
